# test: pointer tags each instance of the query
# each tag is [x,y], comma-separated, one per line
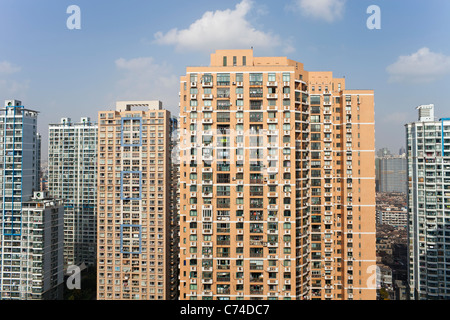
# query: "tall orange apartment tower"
[135,213]
[277,182]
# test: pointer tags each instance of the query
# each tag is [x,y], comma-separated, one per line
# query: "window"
[256,79]
[272,77]
[223,191]
[315,110]
[224,61]
[207,78]
[223,79]
[315,100]
[223,117]
[256,92]
[256,117]
[315,119]
[256,104]
[223,92]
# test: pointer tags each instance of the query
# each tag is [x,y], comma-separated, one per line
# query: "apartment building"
[72,176]
[18,160]
[135,216]
[43,252]
[277,182]
[31,230]
[396,217]
[174,271]
[428,154]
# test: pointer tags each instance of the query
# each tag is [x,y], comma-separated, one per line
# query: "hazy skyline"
[137,50]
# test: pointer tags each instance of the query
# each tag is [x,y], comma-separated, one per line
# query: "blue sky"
[138,49]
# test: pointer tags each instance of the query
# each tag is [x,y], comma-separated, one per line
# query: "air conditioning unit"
[40,195]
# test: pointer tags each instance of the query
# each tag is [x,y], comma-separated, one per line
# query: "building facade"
[428,154]
[18,160]
[43,223]
[72,176]
[174,271]
[31,225]
[134,203]
[277,182]
[393,217]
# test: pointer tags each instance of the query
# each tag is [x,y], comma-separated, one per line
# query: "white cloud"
[8,68]
[222,29]
[419,67]
[144,79]
[328,10]
[11,88]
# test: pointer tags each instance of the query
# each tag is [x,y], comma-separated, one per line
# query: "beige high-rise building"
[277,182]
[135,213]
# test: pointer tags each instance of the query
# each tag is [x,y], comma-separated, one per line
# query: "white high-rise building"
[428,154]
[23,238]
[72,176]
[42,250]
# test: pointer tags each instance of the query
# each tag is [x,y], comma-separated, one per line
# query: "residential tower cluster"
[262,188]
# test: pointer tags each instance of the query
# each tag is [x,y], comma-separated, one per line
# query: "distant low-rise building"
[393,216]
